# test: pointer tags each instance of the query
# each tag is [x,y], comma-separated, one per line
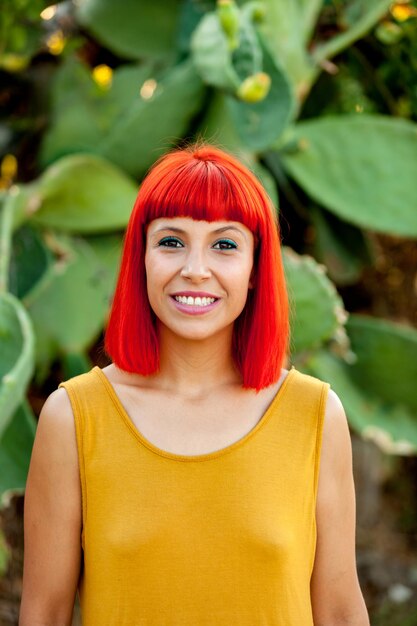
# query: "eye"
[166,240]
[229,242]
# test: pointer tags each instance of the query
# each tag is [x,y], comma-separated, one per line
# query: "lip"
[194,310]
[194,294]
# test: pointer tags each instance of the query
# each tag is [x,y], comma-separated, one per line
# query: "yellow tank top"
[225,538]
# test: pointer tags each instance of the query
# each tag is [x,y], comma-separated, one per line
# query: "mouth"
[197,306]
[200,300]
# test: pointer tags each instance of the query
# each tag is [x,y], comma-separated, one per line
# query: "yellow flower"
[402,12]
[8,170]
[103,76]
[56,42]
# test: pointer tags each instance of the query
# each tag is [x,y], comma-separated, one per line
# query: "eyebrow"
[218,230]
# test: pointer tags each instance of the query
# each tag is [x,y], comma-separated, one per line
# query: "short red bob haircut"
[203,182]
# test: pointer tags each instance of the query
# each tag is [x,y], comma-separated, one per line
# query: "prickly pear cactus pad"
[17,356]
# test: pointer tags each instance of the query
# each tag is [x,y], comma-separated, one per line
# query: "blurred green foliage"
[318,98]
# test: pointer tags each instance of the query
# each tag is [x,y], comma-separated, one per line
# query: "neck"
[194,367]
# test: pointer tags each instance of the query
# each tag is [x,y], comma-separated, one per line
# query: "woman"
[194,480]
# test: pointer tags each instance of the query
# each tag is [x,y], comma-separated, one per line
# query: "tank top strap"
[84,394]
[306,392]
[302,412]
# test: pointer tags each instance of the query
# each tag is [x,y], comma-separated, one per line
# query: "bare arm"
[335,592]
[52,519]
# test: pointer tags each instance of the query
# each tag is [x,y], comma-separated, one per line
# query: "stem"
[6,229]
[338,43]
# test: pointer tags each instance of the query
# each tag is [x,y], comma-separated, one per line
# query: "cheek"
[238,283]
[155,266]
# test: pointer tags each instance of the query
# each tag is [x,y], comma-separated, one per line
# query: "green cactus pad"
[15,450]
[70,312]
[83,193]
[392,426]
[133,29]
[317,312]
[17,356]
[347,164]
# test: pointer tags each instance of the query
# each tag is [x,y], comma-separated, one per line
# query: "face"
[191,259]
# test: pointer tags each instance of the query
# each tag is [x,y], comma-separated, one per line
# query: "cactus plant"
[15,448]
[317,310]
[17,356]
[343,163]
[70,312]
[193,76]
[82,194]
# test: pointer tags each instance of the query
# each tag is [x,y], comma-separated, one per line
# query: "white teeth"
[194,301]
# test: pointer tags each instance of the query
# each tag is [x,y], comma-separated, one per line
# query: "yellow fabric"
[220,539]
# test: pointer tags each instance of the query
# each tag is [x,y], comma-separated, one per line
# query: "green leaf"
[82,113]
[30,261]
[217,128]
[211,54]
[285,36]
[267,181]
[6,229]
[83,194]
[288,28]
[309,13]
[70,312]
[17,356]
[362,168]
[135,29]
[15,450]
[75,363]
[260,124]
[341,247]
[22,202]
[153,125]
[387,359]
[317,312]
[190,16]
[74,125]
[392,426]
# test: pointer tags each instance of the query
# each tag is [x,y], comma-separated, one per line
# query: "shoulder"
[53,473]
[335,421]
[56,429]
[58,399]
[57,410]
[336,433]
[336,448]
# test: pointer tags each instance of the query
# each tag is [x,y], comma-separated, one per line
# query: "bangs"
[202,189]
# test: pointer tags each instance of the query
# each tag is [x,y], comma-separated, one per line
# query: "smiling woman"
[206,185]
[194,480]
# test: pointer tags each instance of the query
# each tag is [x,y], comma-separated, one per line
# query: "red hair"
[205,183]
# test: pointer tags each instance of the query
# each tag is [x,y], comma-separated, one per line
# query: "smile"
[194,306]
[195,301]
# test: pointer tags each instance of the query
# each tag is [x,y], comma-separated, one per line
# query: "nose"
[195,267]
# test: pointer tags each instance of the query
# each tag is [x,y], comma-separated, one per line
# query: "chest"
[193,427]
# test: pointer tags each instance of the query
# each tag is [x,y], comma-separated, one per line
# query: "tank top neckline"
[192,457]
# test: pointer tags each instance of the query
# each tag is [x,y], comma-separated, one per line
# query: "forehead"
[189,225]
